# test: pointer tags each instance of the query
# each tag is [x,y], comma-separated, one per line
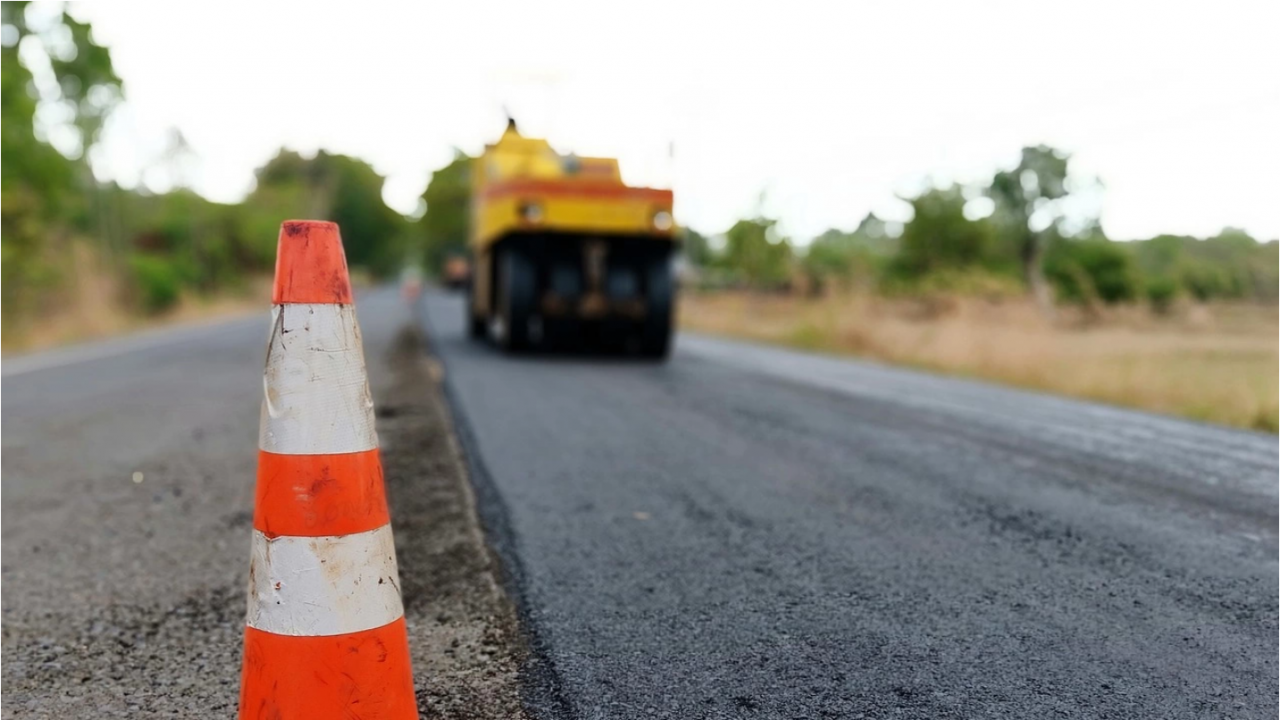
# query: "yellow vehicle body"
[574,194]
[585,254]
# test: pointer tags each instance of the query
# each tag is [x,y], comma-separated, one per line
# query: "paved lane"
[124,598]
[750,532]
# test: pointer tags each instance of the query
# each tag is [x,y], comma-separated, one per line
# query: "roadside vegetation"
[1011,279]
[1011,282]
[83,257]
[1213,362]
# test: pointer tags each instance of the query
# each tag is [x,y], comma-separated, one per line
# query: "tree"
[86,82]
[757,254]
[1231,264]
[444,228]
[1027,199]
[344,190]
[46,190]
[1091,269]
[839,256]
[696,248]
[940,237]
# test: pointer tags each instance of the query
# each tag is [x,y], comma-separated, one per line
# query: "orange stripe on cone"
[313,495]
[364,674]
[310,264]
[325,634]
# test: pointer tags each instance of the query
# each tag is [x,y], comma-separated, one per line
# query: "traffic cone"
[325,634]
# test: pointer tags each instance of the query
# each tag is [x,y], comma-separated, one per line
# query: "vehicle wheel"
[655,340]
[516,295]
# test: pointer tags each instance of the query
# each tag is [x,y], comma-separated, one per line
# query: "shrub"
[157,282]
[940,237]
[1088,270]
[1161,292]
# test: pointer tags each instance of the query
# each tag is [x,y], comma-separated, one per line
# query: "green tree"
[1091,269]
[200,244]
[696,248]
[46,193]
[1229,265]
[837,256]
[1027,199]
[444,228]
[344,190]
[35,182]
[940,237]
[1247,268]
[757,254]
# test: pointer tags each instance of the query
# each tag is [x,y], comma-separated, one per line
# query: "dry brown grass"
[93,307]
[1214,363]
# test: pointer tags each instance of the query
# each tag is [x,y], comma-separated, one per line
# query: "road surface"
[128,473]
[752,532]
[742,532]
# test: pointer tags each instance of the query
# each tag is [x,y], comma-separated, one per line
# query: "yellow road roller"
[566,255]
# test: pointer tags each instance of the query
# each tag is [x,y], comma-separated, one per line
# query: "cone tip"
[310,264]
[300,227]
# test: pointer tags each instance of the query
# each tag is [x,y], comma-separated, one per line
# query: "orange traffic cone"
[325,634]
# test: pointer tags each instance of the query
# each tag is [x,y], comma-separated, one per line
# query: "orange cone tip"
[310,264]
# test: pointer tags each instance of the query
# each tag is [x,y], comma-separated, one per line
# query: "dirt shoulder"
[463,632]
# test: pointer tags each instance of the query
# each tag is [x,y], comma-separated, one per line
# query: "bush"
[157,282]
[1089,270]
[1161,292]
[972,281]
[940,237]
[1207,282]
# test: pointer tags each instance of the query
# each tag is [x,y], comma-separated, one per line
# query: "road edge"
[541,687]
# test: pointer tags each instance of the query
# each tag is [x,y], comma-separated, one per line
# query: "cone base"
[364,674]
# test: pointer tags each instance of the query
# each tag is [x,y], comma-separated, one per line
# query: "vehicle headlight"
[662,220]
[531,212]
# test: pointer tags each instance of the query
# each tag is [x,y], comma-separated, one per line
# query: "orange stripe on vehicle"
[310,264]
[314,495]
[578,189]
[364,674]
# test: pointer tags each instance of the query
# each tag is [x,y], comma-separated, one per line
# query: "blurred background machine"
[567,255]
[456,272]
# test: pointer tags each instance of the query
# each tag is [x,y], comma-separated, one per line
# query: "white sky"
[1173,105]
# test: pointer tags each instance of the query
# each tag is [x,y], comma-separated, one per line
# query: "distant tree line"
[157,245]
[163,245]
[1023,242]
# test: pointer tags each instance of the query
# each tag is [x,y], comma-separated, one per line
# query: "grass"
[92,307]
[1214,363]
[86,322]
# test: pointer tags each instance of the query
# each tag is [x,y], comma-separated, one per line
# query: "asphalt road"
[123,597]
[128,476]
[742,532]
[751,532]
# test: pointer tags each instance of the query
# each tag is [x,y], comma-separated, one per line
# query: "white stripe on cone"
[317,398]
[328,585]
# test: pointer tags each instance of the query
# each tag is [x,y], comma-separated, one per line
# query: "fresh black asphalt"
[751,532]
[743,532]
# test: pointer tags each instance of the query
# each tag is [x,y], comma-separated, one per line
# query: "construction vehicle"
[456,272]
[564,254]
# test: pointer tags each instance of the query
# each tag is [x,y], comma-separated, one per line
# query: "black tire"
[517,291]
[655,339]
